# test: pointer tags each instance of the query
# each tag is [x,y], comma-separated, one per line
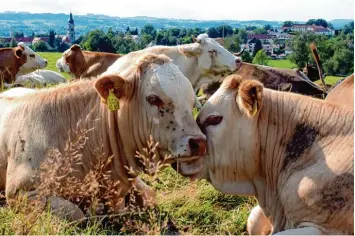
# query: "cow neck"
[133,125]
[187,64]
[115,146]
[282,117]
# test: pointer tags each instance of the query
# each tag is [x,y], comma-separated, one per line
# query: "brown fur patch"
[303,137]
[337,193]
[148,59]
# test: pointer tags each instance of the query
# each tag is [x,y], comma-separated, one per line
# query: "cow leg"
[146,196]
[301,231]
[257,223]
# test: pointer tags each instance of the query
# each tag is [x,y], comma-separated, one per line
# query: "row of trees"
[336,53]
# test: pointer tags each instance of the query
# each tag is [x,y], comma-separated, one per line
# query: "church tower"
[71,31]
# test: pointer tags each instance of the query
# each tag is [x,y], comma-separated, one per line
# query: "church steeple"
[71,31]
[71,21]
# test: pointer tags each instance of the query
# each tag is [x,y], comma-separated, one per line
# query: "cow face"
[214,61]
[33,62]
[228,120]
[161,104]
[61,65]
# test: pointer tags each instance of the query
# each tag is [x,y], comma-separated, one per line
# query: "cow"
[34,61]
[294,153]
[343,93]
[15,93]
[39,78]
[11,59]
[291,80]
[150,97]
[204,61]
[14,61]
[85,64]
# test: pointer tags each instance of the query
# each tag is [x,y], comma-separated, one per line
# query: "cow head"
[72,61]
[214,61]
[33,62]
[229,121]
[61,65]
[157,99]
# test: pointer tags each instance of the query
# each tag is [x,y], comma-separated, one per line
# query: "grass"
[286,64]
[52,58]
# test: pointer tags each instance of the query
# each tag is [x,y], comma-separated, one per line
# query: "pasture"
[183,206]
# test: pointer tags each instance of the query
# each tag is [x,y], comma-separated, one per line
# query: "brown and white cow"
[16,61]
[294,153]
[85,64]
[11,59]
[155,99]
[343,93]
[290,80]
[204,61]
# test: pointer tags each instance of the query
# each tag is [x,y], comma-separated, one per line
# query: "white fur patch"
[174,84]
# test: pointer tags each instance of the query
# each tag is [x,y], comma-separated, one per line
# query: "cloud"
[195,9]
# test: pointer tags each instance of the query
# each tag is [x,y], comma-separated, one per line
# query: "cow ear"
[75,47]
[249,97]
[118,85]
[18,52]
[190,49]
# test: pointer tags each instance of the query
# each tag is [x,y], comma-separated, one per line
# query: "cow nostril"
[238,61]
[198,146]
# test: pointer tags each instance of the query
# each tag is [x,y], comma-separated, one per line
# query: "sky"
[276,10]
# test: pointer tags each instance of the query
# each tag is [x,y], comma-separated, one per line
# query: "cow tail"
[316,57]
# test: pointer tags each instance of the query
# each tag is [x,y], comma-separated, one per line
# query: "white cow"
[16,92]
[39,78]
[34,61]
[204,61]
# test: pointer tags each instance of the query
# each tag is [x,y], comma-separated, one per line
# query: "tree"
[149,29]
[212,32]
[260,31]
[243,35]
[97,40]
[134,32]
[41,46]
[13,43]
[128,30]
[224,31]
[267,27]
[320,22]
[247,57]
[348,28]
[51,39]
[287,24]
[261,58]
[18,35]
[300,47]
[258,46]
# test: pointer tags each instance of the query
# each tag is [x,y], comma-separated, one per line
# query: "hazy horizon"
[272,10]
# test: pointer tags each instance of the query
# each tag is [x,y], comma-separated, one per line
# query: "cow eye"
[32,56]
[155,100]
[212,120]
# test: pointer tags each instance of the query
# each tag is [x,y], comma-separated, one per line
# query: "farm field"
[183,206]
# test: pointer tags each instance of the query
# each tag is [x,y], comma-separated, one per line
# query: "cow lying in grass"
[17,61]
[295,154]
[85,64]
[155,98]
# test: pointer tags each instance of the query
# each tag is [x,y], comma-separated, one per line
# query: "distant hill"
[41,23]
[338,23]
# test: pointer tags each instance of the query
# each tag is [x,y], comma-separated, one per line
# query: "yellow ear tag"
[112,101]
[255,108]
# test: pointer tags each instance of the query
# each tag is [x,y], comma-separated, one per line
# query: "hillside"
[41,23]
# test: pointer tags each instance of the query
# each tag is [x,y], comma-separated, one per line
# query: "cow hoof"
[64,209]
